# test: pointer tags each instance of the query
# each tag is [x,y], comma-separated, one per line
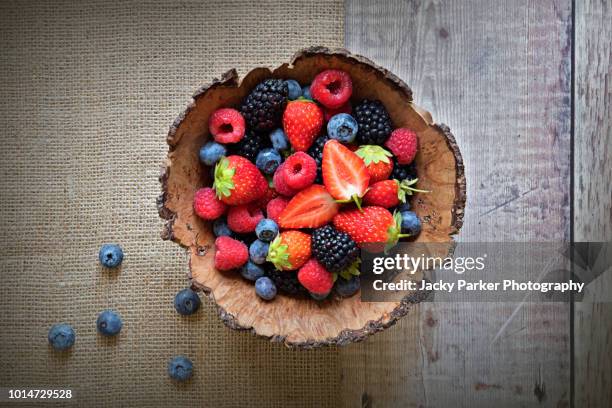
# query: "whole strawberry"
[314,277]
[238,181]
[389,193]
[302,122]
[206,204]
[377,161]
[289,250]
[403,143]
[230,254]
[370,225]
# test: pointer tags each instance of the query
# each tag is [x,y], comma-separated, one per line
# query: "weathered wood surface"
[593,196]
[499,74]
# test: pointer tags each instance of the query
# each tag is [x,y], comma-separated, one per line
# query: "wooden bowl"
[303,322]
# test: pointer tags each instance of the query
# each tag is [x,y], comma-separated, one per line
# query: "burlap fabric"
[88,90]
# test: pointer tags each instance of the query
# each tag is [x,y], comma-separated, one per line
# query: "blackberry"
[316,152]
[403,172]
[263,107]
[286,281]
[374,122]
[334,249]
[250,145]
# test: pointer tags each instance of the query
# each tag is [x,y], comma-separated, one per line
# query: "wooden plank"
[593,196]
[499,74]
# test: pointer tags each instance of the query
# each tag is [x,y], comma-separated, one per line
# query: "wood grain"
[499,74]
[593,196]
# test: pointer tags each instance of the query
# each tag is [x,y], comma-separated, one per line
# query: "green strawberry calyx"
[224,178]
[373,154]
[350,271]
[405,189]
[278,254]
[394,232]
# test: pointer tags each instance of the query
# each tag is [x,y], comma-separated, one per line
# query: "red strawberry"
[332,88]
[226,125]
[244,218]
[238,181]
[299,171]
[302,122]
[275,207]
[207,205]
[328,113]
[403,143]
[310,208]
[315,278]
[389,193]
[344,173]
[289,250]
[377,161]
[230,254]
[370,225]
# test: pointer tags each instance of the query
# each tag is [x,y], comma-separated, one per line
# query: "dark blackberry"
[334,249]
[316,152]
[250,145]
[403,172]
[374,122]
[263,107]
[286,281]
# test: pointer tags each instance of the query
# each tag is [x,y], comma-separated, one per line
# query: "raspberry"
[314,277]
[280,184]
[230,254]
[207,205]
[403,143]
[270,194]
[299,171]
[328,113]
[244,218]
[227,125]
[275,207]
[332,88]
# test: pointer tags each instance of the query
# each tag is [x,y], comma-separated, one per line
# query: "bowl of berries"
[274,183]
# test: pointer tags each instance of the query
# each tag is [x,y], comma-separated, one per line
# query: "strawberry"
[344,173]
[377,161]
[310,208]
[289,250]
[314,277]
[389,193]
[302,122]
[370,225]
[238,181]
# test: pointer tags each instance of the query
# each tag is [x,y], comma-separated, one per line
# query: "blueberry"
[306,92]
[266,230]
[258,251]
[110,255]
[109,323]
[186,302]
[342,127]
[346,288]
[61,336]
[410,223]
[403,207]
[268,160]
[295,90]
[251,271]
[211,152]
[279,139]
[265,288]
[180,368]
[220,228]
[316,296]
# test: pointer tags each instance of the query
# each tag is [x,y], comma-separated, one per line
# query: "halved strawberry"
[344,173]
[310,208]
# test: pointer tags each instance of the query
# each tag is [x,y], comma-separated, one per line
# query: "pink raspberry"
[332,88]
[244,218]
[403,143]
[275,207]
[227,125]
[206,204]
[230,254]
[314,277]
[280,184]
[299,171]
